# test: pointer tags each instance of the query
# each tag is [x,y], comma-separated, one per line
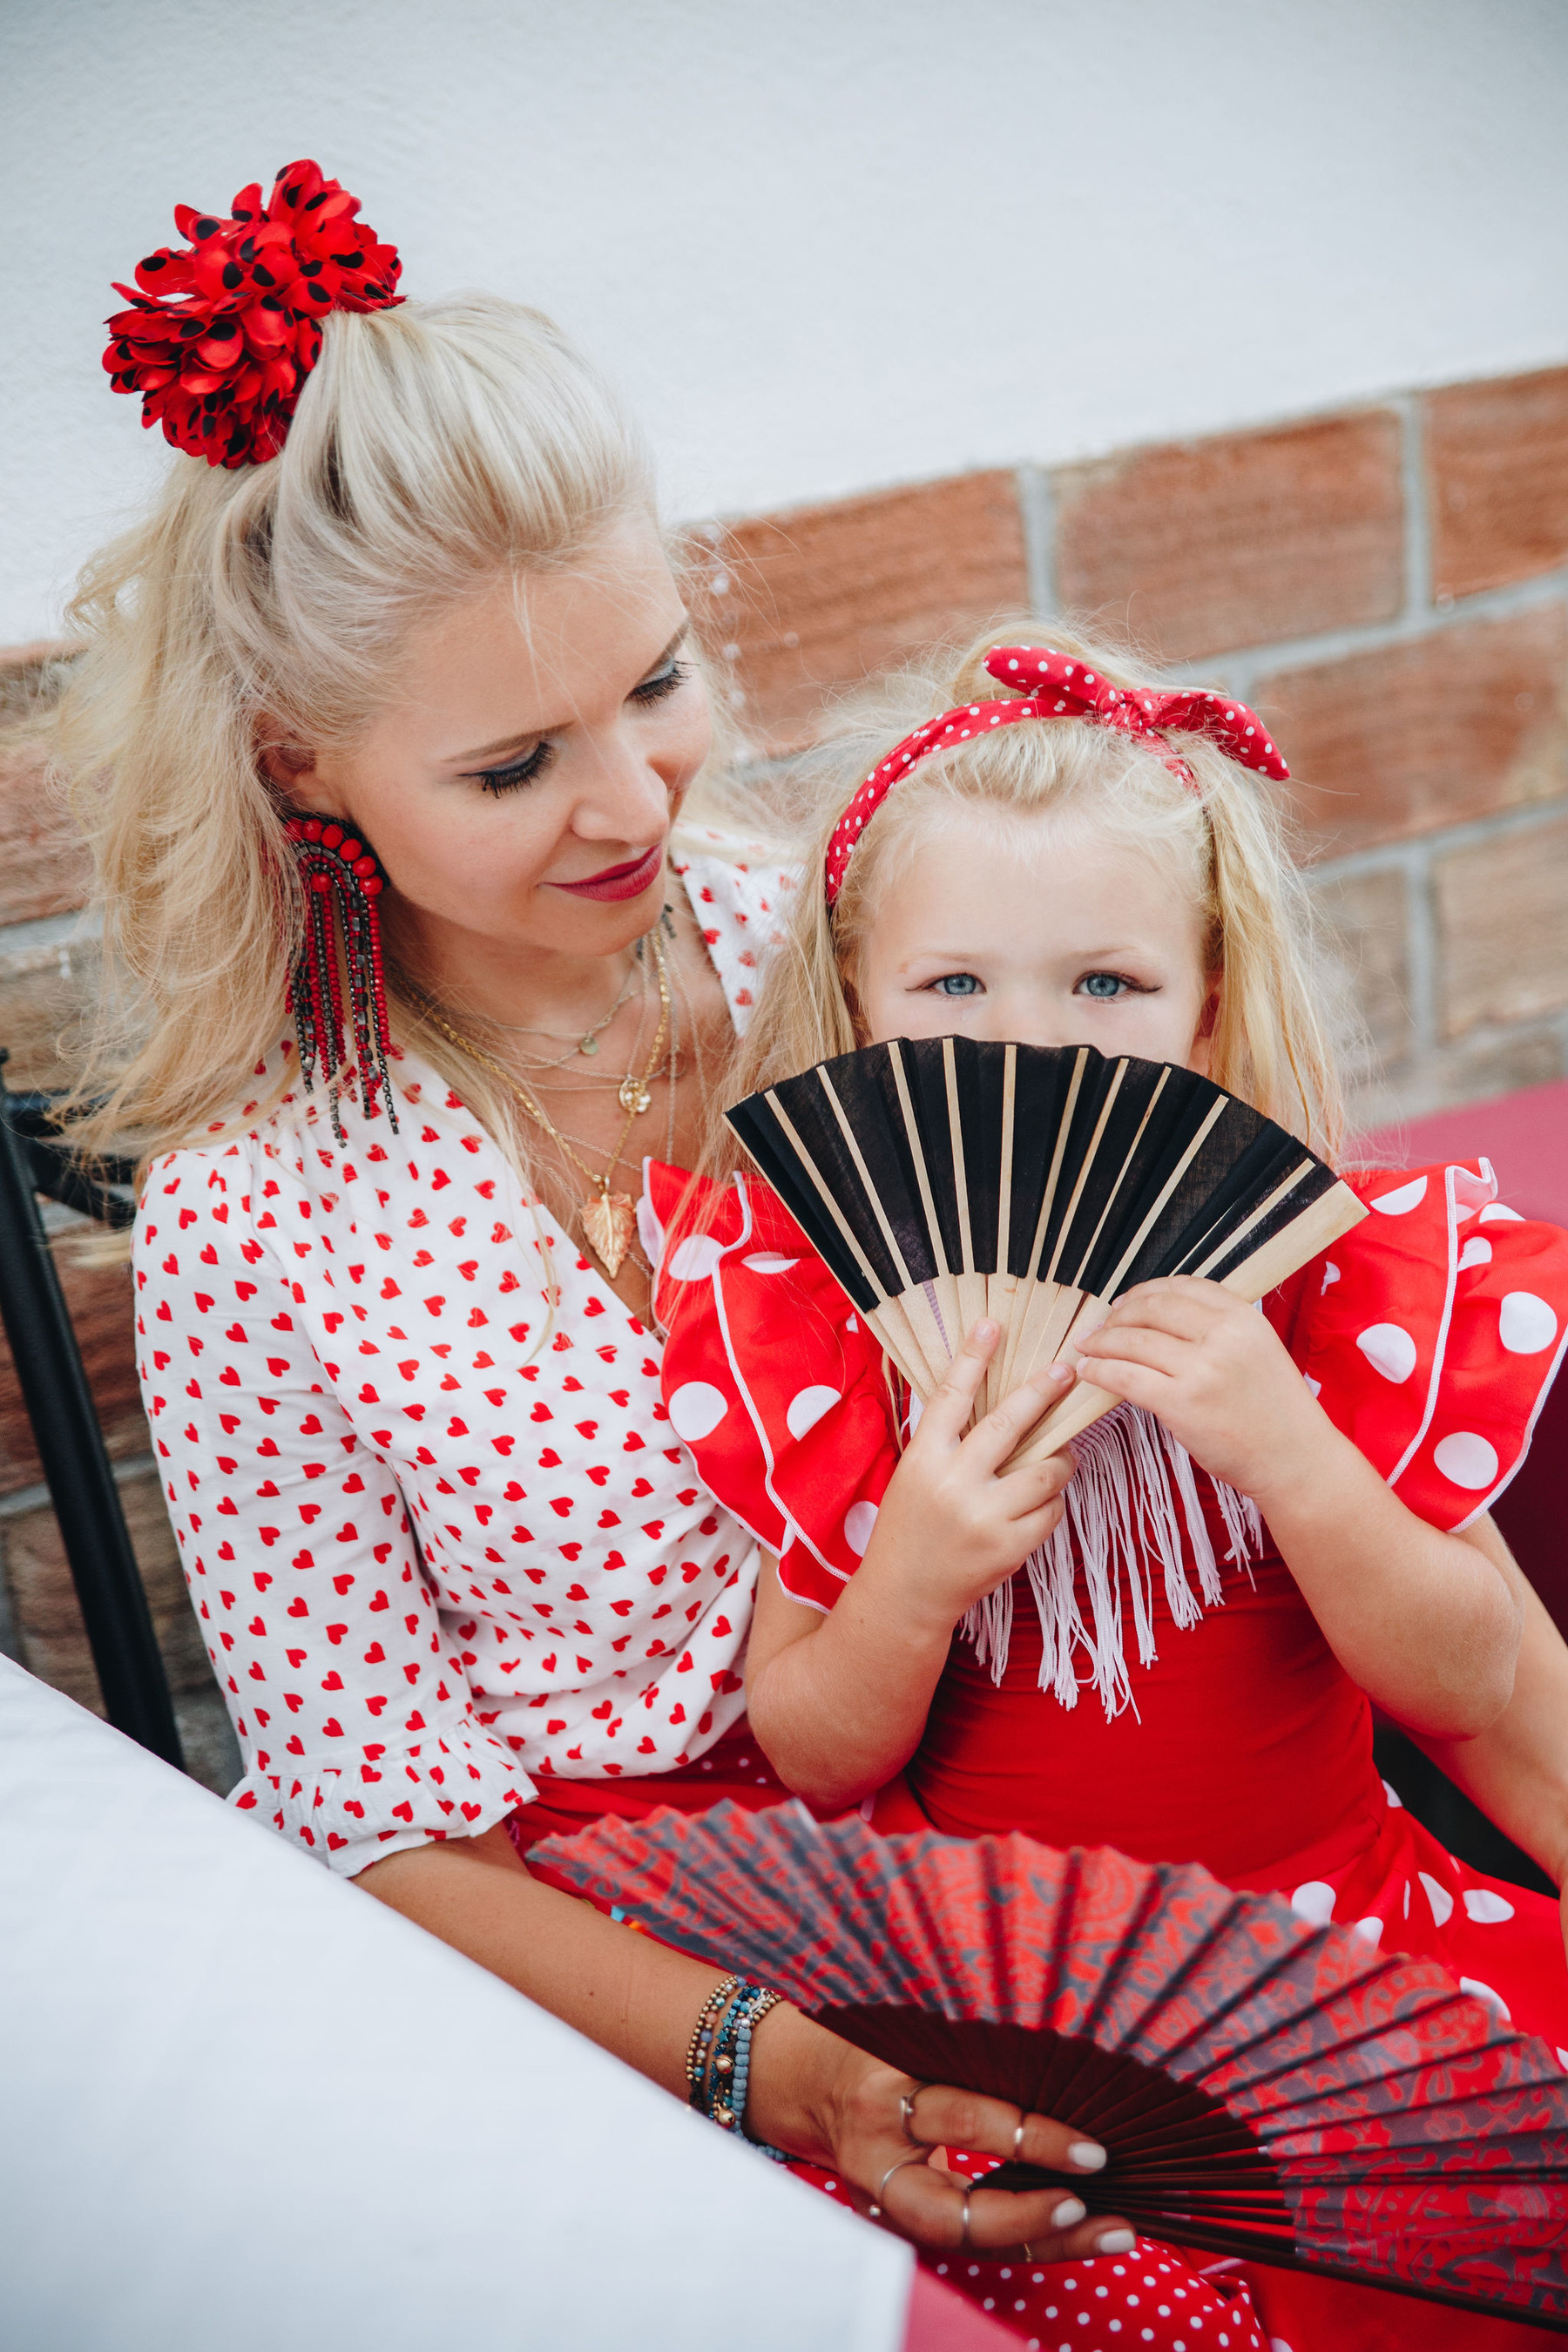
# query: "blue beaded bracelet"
[732,2061]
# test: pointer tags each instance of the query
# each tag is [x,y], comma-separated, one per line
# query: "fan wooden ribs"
[944,1178]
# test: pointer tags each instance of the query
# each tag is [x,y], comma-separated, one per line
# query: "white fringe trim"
[1122,1519]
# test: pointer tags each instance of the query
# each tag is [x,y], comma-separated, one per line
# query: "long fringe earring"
[334,862]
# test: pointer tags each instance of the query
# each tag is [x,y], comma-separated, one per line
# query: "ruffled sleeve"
[770,1377]
[1431,1333]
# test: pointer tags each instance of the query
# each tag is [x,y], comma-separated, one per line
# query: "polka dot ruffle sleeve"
[1431,1333]
[770,1379]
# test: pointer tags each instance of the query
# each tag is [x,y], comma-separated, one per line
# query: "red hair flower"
[224,329]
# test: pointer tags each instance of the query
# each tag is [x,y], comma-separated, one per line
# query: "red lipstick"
[628,881]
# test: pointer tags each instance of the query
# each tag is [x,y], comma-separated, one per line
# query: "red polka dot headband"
[222,332]
[1056,687]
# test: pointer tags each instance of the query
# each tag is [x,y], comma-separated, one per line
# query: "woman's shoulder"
[1430,1333]
[740,893]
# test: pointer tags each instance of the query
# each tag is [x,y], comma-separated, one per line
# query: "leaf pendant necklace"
[609,1221]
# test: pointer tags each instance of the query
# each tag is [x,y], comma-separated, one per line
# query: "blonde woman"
[385,732]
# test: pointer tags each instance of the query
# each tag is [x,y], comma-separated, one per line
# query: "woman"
[445,1554]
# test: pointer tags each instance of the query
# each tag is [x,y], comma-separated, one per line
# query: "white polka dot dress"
[438,1552]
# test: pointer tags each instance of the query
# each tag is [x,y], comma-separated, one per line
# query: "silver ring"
[1018,2141]
[963,2241]
[897,2166]
[907,2114]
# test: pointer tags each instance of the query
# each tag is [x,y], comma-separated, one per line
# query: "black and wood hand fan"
[942,1178]
[1263,2088]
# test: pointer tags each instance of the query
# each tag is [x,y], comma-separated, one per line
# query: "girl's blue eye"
[957,983]
[1102,983]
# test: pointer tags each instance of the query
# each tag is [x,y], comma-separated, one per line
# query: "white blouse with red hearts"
[439,1553]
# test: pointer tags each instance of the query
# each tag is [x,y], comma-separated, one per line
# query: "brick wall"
[1389,586]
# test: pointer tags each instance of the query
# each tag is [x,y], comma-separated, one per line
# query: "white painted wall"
[827,244]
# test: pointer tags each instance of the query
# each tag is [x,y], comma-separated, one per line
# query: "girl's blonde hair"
[1222,835]
[434,447]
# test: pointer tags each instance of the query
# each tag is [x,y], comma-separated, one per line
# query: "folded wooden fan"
[942,1178]
[1263,2087]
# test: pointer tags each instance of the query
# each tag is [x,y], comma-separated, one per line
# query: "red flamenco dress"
[1152,1680]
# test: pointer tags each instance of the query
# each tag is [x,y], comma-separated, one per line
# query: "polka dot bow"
[1053,685]
[223,331]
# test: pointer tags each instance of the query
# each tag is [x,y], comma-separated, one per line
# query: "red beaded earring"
[333,860]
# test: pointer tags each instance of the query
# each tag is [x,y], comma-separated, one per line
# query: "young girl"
[1170,1642]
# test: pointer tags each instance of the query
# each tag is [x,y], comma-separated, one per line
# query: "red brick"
[1204,546]
[1502,921]
[1496,466]
[52,1639]
[43,863]
[1368,916]
[1455,725]
[794,606]
[99,1299]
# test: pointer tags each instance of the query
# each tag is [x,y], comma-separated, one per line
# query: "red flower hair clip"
[224,329]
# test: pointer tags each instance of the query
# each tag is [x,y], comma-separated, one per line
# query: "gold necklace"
[609,1219]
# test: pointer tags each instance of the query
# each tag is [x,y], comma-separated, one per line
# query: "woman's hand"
[949,1528]
[1218,1376]
[855,2124]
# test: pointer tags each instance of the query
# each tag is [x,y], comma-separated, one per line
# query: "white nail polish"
[1069,2211]
[1116,2241]
[1086,2155]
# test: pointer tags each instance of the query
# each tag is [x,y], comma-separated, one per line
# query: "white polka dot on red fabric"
[1494,2000]
[1438,1896]
[1497,1214]
[1402,1200]
[1466,1459]
[858,1521]
[694,1259]
[1389,1349]
[1486,1906]
[1526,1324]
[807,1408]
[769,1262]
[1478,1250]
[696,1411]
[1313,1901]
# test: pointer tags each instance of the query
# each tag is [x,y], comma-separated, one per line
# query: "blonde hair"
[434,447]
[1271,1040]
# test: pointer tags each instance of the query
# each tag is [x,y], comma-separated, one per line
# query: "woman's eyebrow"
[537,734]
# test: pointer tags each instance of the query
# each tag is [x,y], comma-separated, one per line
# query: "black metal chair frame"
[34,1158]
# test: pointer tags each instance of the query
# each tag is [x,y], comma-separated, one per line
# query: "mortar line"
[1417,512]
[1037,511]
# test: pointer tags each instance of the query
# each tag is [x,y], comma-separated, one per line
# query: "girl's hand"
[1216,1372]
[858,2130]
[950,1531]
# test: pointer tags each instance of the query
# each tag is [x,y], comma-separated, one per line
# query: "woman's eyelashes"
[664,681]
[526,770]
[516,771]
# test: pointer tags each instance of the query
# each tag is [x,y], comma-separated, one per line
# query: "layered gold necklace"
[609,1219]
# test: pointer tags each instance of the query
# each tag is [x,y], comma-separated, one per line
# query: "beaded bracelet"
[733,2062]
[702,2032]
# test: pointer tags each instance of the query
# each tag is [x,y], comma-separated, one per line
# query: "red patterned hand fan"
[1265,2088]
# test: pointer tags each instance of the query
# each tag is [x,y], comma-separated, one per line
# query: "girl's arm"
[1427,1624]
[1517,1769]
[839,1701]
[810,2092]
